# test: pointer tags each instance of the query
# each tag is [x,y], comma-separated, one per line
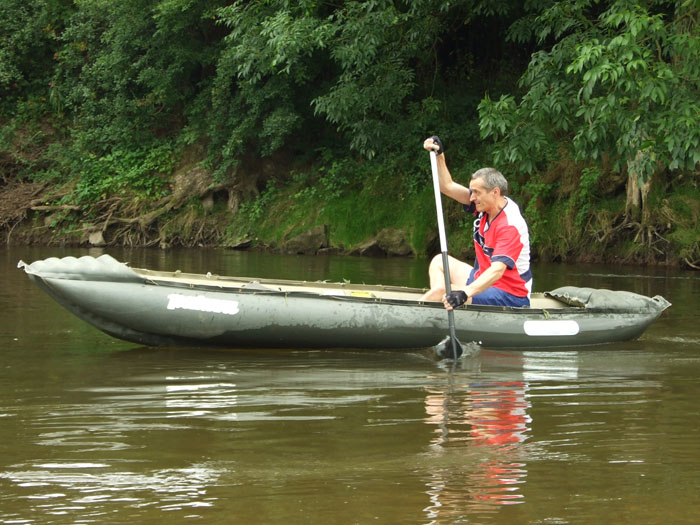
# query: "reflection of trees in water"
[483,424]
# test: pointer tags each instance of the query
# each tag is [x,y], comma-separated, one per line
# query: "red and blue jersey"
[504,238]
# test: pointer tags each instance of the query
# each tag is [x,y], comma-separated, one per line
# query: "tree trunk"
[635,206]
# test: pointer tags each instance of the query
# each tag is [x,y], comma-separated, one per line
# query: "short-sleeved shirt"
[505,239]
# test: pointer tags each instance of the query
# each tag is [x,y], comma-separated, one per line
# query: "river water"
[96,430]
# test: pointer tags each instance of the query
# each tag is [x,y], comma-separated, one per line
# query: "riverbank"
[308,214]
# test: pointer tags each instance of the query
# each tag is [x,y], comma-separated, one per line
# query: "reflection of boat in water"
[173,308]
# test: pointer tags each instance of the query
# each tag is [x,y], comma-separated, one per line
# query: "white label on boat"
[200,303]
[556,327]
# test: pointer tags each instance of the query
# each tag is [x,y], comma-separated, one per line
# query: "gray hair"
[492,179]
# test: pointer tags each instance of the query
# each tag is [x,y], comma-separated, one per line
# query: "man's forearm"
[490,276]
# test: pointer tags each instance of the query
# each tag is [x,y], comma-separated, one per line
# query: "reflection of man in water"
[494,416]
[498,416]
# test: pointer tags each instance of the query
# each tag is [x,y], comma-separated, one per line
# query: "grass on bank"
[568,222]
[353,213]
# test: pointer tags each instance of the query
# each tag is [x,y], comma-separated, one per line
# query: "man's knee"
[436,262]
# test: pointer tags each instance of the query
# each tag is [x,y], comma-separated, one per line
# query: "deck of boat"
[382,292]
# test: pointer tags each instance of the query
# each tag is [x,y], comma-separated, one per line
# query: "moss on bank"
[564,226]
[352,216]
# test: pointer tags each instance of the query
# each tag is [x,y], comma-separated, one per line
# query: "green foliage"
[537,193]
[256,209]
[367,69]
[372,52]
[616,78]
[684,212]
[139,173]
[584,198]
[125,69]
[247,78]
[28,40]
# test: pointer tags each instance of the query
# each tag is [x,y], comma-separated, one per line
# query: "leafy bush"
[135,172]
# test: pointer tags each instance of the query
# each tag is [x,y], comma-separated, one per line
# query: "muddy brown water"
[96,430]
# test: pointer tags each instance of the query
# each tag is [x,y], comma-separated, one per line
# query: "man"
[501,274]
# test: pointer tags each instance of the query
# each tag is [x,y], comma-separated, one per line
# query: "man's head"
[488,186]
[492,178]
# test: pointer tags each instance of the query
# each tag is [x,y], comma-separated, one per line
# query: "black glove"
[438,142]
[457,298]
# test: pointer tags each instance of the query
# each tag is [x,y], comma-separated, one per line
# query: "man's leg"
[459,273]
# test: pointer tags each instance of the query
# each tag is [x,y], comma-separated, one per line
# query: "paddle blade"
[445,349]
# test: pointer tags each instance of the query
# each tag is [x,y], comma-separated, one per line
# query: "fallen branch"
[61,207]
[7,243]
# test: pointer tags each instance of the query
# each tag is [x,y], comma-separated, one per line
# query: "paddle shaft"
[443,247]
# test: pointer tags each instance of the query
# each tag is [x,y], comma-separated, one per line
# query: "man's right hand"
[434,144]
[455,299]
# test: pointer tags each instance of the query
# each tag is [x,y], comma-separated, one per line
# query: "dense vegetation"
[217,122]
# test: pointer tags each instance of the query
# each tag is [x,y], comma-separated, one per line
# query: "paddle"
[450,341]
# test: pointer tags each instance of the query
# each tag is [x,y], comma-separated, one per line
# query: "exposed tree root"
[694,266]
[117,220]
[16,200]
[649,236]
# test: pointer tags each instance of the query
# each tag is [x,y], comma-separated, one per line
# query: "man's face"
[483,199]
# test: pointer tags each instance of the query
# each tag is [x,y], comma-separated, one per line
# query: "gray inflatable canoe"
[172,308]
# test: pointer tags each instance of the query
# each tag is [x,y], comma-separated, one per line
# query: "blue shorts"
[496,296]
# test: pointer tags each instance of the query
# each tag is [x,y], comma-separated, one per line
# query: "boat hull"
[152,311]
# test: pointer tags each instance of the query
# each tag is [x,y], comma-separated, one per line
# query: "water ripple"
[89,487]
